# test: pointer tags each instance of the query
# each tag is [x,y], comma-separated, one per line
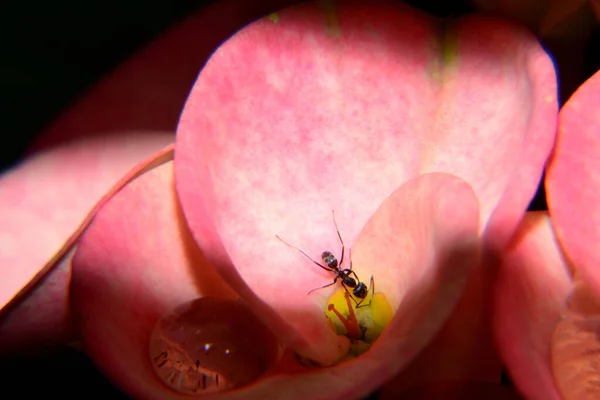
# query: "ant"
[359,289]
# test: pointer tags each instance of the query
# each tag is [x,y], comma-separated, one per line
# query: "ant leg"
[350,271]
[323,287]
[305,255]
[350,294]
[340,236]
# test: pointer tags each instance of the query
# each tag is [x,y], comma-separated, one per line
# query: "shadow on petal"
[132,268]
[531,290]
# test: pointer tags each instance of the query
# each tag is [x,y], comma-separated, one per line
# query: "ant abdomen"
[360,290]
[329,259]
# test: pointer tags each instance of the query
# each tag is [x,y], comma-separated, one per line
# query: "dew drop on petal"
[210,345]
[576,346]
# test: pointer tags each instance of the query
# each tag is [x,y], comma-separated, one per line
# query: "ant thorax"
[348,280]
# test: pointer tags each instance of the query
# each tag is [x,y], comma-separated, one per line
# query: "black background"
[50,54]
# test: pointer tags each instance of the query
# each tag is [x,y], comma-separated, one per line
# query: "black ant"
[359,289]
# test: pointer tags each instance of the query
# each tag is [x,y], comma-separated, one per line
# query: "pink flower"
[428,140]
[546,300]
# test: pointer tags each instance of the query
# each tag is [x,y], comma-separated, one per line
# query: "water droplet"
[210,345]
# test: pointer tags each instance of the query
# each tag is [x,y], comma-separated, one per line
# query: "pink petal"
[134,264]
[532,286]
[572,181]
[152,266]
[323,116]
[124,119]
[463,349]
[44,201]
[421,248]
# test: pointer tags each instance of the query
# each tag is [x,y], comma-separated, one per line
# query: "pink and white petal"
[314,123]
[112,110]
[44,199]
[124,119]
[38,312]
[483,132]
[466,339]
[573,182]
[532,287]
[119,294]
[464,349]
[108,118]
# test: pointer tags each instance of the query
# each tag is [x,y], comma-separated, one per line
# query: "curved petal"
[39,315]
[532,286]
[116,118]
[323,117]
[153,265]
[421,249]
[572,181]
[44,201]
[463,349]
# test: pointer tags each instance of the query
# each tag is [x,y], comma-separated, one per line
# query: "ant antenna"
[305,255]
[336,227]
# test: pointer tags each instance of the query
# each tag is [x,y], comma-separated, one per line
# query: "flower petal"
[314,122]
[421,249]
[572,181]
[116,118]
[153,265]
[463,349]
[44,201]
[133,265]
[532,286]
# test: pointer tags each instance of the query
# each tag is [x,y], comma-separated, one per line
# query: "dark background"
[50,54]
[53,51]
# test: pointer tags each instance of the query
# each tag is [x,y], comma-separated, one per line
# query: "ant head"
[329,259]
